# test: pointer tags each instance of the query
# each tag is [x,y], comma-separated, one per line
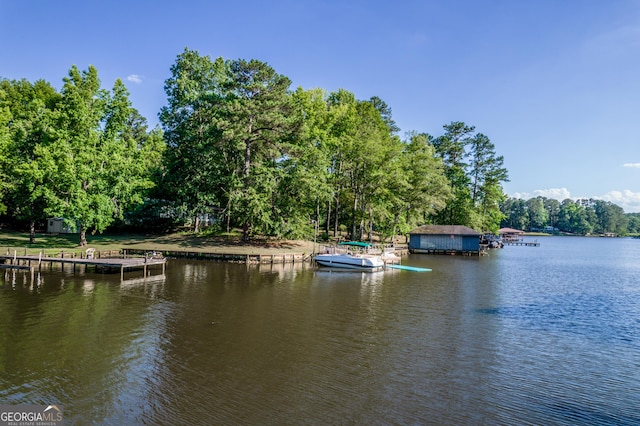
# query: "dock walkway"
[228,257]
[35,262]
[522,243]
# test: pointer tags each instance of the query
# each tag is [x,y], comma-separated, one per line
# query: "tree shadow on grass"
[185,241]
[188,242]
[63,241]
[41,241]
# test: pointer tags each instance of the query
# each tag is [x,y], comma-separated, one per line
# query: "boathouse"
[444,239]
[510,234]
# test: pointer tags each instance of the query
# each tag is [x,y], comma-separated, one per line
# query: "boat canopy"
[354,243]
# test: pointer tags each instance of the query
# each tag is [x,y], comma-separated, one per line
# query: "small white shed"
[55,225]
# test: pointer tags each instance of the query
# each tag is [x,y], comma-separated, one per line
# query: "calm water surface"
[546,335]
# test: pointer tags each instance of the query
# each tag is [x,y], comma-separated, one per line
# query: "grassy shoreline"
[53,244]
[182,242]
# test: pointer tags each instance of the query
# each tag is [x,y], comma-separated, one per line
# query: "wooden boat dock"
[522,243]
[36,262]
[229,257]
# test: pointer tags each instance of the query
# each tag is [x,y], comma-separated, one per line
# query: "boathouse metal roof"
[510,231]
[444,230]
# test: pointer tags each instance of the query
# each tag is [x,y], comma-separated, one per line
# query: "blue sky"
[555,84]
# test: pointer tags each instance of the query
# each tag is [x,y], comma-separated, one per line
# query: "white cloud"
[521,195]
[556,193]
[134,78]
[628,200]
[634,165]
[559,194]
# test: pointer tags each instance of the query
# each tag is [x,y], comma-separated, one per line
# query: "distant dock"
[522,243]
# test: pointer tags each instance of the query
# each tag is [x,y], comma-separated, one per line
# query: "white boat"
[336,257]
[362,262]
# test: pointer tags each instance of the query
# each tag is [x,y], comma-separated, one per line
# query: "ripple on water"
[517,337]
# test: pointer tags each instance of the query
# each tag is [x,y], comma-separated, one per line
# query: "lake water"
[525,335]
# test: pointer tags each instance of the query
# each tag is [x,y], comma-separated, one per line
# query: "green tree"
[229,125]
[305,191]
[609,218]
[514,210]
[342,122]
[261,125]
[368,157]
[538,217]
[424,190]
[573,218]
[96,171]
[475,174]
[492,196]
[487,172]
[451,148]
[385,112]
[516,214]
[552,206]
[363,161]
[633,226]
[5,140]
[33,110]
[200,170]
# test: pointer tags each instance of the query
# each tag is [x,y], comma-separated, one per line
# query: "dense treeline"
[275,162]
[83,153]
[582,217]
[238,148]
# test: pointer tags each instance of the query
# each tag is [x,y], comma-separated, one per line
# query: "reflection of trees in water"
[84,342]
